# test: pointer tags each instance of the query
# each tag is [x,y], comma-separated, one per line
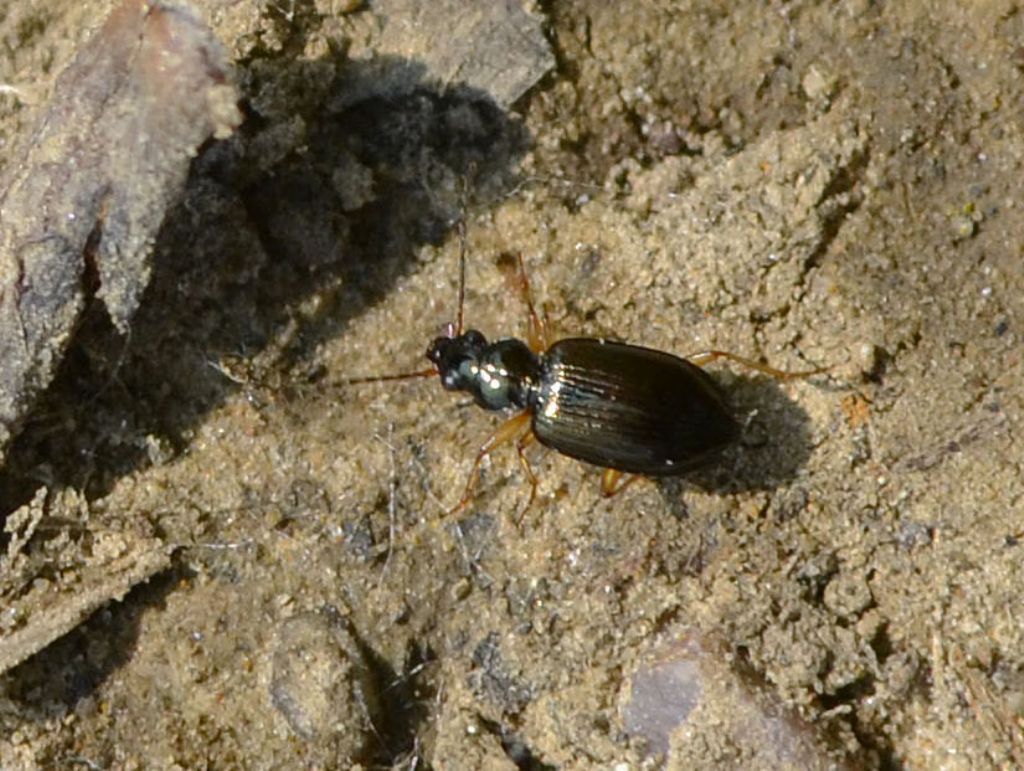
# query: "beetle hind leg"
[614,481]
[706,357]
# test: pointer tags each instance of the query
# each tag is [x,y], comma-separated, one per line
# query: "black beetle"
[625,408]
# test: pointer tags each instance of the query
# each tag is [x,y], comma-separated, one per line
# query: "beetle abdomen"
[629,408]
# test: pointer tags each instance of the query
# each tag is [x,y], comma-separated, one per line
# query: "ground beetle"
[628,409]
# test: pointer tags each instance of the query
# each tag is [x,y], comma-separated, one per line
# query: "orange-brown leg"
[537,331]
[547,333]
[614,481]
[525,441]
[706,357]
[512,430]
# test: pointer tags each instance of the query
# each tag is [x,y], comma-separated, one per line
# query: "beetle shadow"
[775,443]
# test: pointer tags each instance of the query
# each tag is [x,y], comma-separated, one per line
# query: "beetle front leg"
[512,430]
[538,327]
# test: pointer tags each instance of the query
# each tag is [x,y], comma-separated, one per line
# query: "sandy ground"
[810,185]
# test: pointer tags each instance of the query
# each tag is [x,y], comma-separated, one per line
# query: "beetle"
[633,411]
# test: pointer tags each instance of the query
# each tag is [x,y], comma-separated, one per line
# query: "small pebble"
[685,697]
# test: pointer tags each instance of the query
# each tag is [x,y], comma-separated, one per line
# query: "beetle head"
[457,359]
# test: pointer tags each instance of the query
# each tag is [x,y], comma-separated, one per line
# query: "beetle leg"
[612,482]
[525,441]
[706,357]
[536,330]
[547,334]
[511,430]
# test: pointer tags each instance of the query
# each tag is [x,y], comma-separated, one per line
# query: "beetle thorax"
[499,375]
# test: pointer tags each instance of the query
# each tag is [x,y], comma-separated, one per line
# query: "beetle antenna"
[462,272]
[451,330]
[382,378]
[463,249]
